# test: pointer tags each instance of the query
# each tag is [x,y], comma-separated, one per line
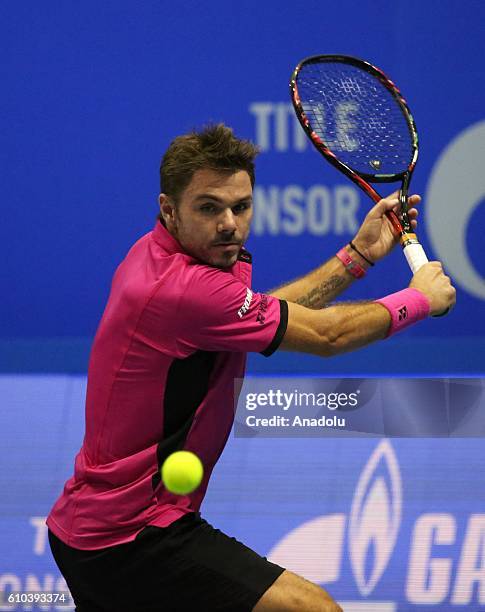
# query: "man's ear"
[167,209]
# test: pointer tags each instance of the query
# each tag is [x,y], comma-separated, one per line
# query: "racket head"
[356,118]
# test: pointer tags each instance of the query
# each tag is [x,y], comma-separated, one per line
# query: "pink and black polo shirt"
[172,339]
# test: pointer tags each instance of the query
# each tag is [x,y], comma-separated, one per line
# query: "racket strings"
[356,117]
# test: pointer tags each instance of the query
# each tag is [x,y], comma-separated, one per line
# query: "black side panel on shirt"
[186,387]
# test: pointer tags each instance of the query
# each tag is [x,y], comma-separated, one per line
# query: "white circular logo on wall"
[455,189]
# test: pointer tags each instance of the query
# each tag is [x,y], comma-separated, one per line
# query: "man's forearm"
[335,330]
[319,287]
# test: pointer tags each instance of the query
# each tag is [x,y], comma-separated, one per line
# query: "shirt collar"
[164,238]
[171,245]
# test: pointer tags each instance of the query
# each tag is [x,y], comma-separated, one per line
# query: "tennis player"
[180,318]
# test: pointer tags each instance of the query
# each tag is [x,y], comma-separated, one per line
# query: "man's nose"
[226,222]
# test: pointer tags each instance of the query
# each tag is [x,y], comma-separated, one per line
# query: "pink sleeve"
[218,312]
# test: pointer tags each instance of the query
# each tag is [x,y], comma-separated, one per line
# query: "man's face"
[213,217]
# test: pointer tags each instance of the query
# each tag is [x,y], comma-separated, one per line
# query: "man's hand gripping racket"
[359,121]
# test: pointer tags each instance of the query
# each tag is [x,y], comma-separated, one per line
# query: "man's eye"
[207,208]
[241,207]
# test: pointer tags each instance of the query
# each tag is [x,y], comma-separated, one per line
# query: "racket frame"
[413,250]
[401,227]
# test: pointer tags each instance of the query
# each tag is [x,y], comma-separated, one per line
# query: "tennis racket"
[358,120]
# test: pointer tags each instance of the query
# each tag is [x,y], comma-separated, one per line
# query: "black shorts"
[187,566]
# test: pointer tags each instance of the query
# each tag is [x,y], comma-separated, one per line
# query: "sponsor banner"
[385,525]
[400,542]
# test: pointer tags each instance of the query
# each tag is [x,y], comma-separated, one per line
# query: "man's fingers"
[391,202]
[413,201]
[386,204]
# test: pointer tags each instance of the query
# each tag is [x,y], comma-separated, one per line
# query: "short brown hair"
[214,147]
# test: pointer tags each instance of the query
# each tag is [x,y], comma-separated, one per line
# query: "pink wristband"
[406,307]
[351,266]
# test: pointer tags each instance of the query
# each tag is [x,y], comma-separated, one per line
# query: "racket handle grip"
[416,257]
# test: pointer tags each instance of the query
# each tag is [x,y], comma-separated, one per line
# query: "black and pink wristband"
[351,266]
[406,307]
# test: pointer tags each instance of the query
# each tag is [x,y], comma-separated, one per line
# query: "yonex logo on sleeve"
[263,307]
[247,302]
[403,313]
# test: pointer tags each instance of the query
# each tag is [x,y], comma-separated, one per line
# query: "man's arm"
[346,327]
[320,286]
[334,330]
[375,239]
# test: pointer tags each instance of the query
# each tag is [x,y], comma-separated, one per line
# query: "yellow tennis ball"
[182,472]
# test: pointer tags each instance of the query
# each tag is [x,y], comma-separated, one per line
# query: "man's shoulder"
[147,269]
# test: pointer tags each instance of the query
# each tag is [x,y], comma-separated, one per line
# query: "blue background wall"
[92,94]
